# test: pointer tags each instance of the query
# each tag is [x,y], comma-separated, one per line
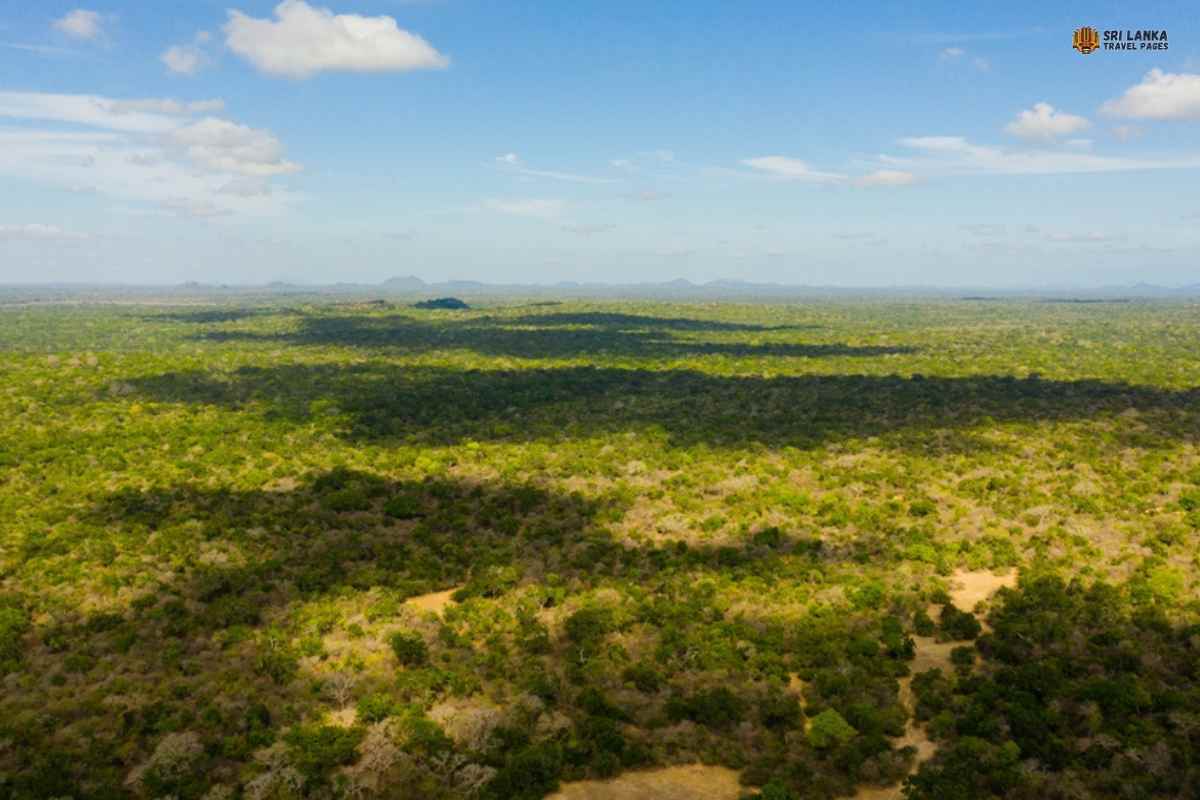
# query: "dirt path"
[699,782]
[968,590]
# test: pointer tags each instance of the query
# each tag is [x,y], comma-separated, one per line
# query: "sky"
[318,141]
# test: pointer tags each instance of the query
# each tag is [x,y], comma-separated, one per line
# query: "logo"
[1086,40]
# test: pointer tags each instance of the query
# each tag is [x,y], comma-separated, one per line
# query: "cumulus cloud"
[302,41]
[188,59]
[791,169]
[543,208]
[1046,123]
[1160,95]
[887,177]
[225,146]
[183,59]
[951,54]
[152,150]
[39,233]
[80,24]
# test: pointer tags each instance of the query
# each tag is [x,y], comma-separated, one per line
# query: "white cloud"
[40,49]
[188,59]
[981,64]
[247,187]
[98,112]
[38,232]
[542,208]
[302,41]
[183,59]
[1045,122]
[165,106]
[80,24]
[225,146]
[513,163]
[1079,144]
[887,177]
[1160,95]
[951,54]
[791,169]
[145,150]
[955,155]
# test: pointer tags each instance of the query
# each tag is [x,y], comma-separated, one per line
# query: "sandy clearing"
[973,587]
[435,602]
[690,782]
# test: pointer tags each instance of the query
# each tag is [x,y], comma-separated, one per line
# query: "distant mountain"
[729,283]
[408,283]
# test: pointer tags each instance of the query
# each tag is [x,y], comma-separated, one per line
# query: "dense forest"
[939,549]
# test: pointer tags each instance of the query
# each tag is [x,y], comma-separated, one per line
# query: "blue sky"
[352,140]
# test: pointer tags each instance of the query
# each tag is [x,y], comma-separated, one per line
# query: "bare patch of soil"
[970,588]
[690,782]
[435,602]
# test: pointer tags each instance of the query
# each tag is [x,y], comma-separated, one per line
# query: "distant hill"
[408,283]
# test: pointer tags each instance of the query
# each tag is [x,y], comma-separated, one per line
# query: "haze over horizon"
[355,140]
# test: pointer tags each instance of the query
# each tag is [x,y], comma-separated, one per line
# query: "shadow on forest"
[546,336]
[626,322]
[435,405]
[213,315]
[215,645]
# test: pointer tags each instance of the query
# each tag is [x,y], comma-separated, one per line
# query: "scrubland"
[372,551]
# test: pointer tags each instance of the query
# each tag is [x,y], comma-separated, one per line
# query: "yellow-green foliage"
[654,520]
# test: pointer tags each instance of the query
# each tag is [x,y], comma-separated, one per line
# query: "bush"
[530,773]
[644,676]
[959,625]
[14,622]
[403,506]
[923,625]
[314,751]
[587,626]
[443,303]
[713,708]
[829,729]
[775,790]
[376,707]
[410,649]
